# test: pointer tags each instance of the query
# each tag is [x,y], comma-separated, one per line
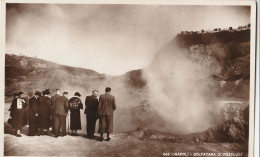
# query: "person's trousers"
[106,124]
[60,122]
[26,118]
[19,115]
[52,124]
[33,124]
[91,124]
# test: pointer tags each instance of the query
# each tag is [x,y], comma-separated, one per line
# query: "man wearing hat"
[106,107]
[75,105]
[34,114]
[60,111]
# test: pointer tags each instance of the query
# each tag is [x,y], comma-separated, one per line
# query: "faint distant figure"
[91,103]
[75,105]
[33,111]
[53,99]
[60,111]
[18,113]
[106,107]
[44,112]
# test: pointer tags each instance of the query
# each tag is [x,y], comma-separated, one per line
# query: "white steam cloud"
[181,91]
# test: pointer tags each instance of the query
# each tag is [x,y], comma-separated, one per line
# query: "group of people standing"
[47,112]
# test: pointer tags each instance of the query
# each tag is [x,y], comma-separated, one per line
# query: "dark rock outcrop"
[233,130]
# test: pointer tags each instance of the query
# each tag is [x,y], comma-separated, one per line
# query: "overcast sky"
[111,39]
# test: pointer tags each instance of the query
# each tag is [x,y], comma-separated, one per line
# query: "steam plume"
[181,91]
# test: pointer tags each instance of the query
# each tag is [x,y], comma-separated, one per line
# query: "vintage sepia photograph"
[125,79]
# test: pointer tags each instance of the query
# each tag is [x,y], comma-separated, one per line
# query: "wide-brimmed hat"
[20,93]
[38,93]
[77,94]
[47,91]
[15,94]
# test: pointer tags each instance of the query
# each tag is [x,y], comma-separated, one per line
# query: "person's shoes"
[108,139]
[74,134]
[101,139]
[18,135]
[90,136]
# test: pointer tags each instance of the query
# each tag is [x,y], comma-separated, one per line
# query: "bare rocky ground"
[137,143]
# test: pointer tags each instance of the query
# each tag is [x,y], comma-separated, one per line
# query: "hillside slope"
[29,74]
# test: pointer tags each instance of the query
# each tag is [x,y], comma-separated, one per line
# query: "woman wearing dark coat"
[75,105]
[44,112]
[18,113]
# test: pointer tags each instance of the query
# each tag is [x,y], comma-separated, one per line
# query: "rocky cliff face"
[230,64]
[228,55]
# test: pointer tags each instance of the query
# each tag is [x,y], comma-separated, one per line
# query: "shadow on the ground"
[25,130]
[95,138]
[9,130]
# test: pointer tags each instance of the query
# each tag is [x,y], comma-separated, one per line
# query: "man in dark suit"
[106,108]
[33,110]
[91,103]
[60,111]
[53,99]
